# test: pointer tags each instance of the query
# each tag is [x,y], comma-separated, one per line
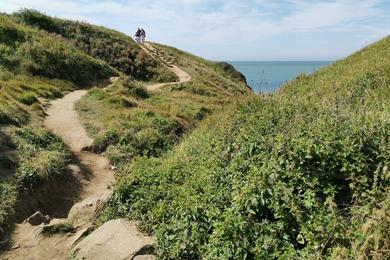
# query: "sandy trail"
[181,74]
[63,120]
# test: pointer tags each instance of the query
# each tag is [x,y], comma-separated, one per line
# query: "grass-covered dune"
[300,174]
[115,48]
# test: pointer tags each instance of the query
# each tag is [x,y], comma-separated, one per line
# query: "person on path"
[143,35]
[138,36]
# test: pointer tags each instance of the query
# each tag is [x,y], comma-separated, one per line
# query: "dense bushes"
[115,48]
[301,174]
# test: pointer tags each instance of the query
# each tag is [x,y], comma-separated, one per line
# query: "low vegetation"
[299,174]
[60,228]
[115,48]
[208,78]
[29,154]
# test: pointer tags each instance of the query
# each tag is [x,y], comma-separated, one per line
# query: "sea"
[268,76]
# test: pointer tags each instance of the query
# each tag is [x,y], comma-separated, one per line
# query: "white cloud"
[229,23]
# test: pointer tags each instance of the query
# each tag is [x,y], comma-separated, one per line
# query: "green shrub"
[301,174]
[8,194]
[132,88]
[27,98]
[61,228]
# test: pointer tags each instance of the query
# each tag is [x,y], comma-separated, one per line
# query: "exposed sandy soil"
[92,172]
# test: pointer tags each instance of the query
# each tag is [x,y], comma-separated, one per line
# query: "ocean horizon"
[269,76]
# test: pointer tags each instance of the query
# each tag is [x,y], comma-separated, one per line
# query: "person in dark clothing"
[143,35]
[138,36]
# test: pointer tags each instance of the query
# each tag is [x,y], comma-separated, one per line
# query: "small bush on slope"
[8,198]
[117,49]
[301,174]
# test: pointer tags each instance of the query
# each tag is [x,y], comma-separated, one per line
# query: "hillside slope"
[117,49]
[132,121]
[300,174]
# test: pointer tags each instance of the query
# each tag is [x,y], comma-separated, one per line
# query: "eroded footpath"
[114,239]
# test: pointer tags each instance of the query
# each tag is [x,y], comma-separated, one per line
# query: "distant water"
[268,76]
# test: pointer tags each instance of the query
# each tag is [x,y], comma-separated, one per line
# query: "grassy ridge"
[115,48]
[299,174]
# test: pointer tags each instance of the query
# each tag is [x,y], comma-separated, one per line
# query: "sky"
[236,29]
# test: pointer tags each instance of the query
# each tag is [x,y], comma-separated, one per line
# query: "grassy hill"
[299,174]
[42,58]
[115,48]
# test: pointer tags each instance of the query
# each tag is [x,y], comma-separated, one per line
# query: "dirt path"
[181,74]
[28,242]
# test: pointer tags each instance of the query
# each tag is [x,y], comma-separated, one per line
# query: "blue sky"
[236,29]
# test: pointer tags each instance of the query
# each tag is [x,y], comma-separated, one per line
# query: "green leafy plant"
[61,228]
[301,174]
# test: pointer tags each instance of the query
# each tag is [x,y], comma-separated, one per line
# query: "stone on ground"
[82,212]
[116,239]
[37,218]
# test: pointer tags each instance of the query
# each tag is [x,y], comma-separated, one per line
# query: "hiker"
[138,36]
[143,35]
